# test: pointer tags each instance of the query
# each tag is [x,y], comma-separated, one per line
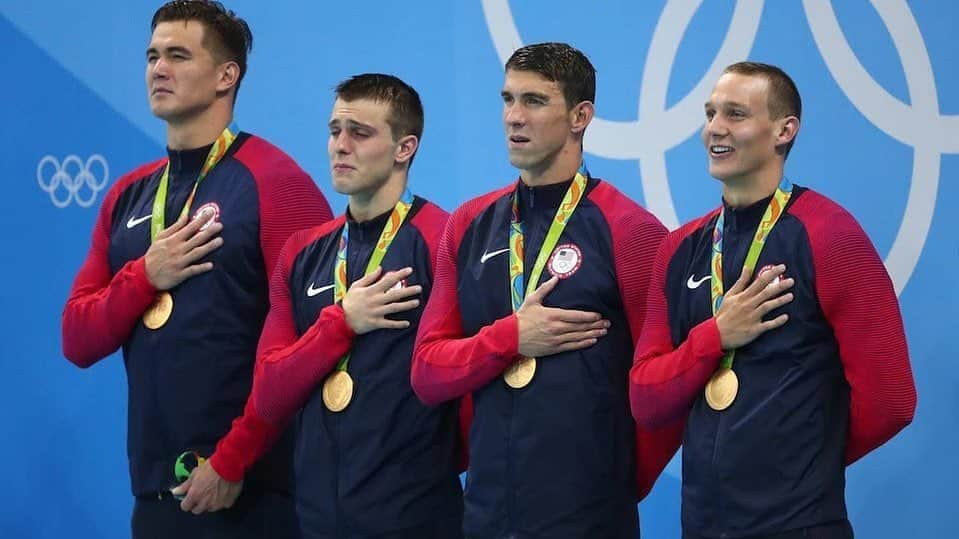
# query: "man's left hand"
[206,491]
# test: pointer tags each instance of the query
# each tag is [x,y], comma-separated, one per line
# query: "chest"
[227,191]
[582,258]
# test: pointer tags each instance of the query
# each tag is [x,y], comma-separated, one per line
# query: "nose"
[341,142]
[513,115]
[159,69]
[715,126]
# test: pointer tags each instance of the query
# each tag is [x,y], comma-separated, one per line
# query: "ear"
[229,76]
[580,116]
[786,130]
[406,148]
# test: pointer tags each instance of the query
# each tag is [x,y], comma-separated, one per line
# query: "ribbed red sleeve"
[857,297]
[288,367]
[447,365]
[636,237]
[665,380]
[102,309]
[431,222]
[288,201]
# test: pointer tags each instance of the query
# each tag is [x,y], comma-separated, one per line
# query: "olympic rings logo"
[658,129]
[73,179]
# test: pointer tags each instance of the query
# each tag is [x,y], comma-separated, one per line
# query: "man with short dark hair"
[773,332]
[371,460]
[540,293]
[177,275]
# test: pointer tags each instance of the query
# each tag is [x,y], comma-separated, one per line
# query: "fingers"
[540,293]
[193,270]
[174,228]
[764,279]
[584,335]
[774,303]
[183,487]
[397,294]
[202,250]
[202,236]
[368,279]
[774,323]
[397,307]
[392,278]
[571,316]
[740,283]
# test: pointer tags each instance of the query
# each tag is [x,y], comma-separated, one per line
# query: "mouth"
[161,91]
[517,141]
[719,151]
[341,168]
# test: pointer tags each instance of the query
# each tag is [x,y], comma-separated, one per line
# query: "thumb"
[183,487]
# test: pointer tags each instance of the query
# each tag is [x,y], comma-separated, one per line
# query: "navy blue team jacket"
[558,458]
[386,466]
[190,379]
[815,394]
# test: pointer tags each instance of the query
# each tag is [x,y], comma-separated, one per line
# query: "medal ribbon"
[217,151]
[774,211]
[390,230]
[516,247]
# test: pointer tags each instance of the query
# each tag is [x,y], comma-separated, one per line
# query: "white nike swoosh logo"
[487,256]
[310,291]
[692,284]
[134,222]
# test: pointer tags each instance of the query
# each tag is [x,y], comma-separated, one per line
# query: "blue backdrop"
[879,135]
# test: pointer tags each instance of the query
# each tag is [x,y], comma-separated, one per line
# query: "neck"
[365,206]
[562,167]
[199,130]
[742,192]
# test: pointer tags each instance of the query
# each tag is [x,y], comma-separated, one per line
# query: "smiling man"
[346,299]
[177,275]
[539,296]
[773,331]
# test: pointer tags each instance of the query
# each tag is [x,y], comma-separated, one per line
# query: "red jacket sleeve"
[865,318]
[289,201]
[665,380]
[637,235]
[431,222]
[102,308]
[446,364]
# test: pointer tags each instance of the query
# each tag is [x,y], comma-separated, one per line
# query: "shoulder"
[267,162]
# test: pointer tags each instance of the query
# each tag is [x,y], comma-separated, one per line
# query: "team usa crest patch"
[207,209]
[565,261]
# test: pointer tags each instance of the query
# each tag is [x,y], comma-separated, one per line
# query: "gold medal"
[338,391]
[722,388]
[519,374]
[159,312]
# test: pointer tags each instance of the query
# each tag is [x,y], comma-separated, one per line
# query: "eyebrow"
[169,50]
[351,123]
[539,95]
[727,104]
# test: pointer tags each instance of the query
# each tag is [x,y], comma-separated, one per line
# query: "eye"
[507,99]
[534,101]
[710,113]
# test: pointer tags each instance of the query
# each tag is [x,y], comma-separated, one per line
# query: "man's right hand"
[371,298]
[170,258]
[545,331]
[740,317]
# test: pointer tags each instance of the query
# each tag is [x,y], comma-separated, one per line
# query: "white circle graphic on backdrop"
[658,129]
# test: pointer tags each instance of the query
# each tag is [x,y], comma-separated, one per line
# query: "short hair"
[406,109]
[783,98]
[226,35]
[560,63]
